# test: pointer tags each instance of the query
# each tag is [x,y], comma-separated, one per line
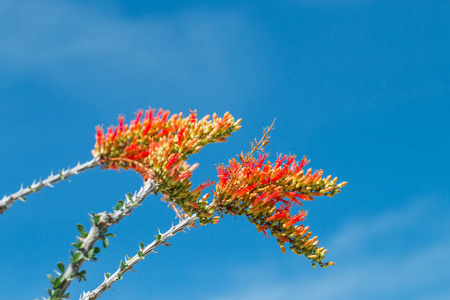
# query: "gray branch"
[130,263]
[99,226]
[7,201]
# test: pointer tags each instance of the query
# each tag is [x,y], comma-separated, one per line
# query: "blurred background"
[361,87]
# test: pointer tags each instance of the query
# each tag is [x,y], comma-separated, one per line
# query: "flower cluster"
[158,146]
[266,193]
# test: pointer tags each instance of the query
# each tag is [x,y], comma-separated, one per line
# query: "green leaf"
[77,245]
[81,230]
[96,219]
[140,254]
[119,205]
[158,237]
[110,235]
[90,253]
[141,244]
[61,267]
[77,257]
[96,250]
[108,275]
[130,197]
[51,278]
[58,281]
[57,293]
[105,242]
[81,276]
[123,265]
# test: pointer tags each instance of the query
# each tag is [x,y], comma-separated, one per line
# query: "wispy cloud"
[406,271]
[64,42]
[362,230]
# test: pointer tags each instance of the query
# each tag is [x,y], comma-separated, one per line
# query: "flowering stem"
[7,201]
[85,249]
[130,263]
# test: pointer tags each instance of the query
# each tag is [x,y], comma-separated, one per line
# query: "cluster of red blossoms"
[157,145]
[266,193]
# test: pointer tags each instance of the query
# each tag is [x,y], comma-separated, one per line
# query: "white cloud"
[359,231]
[64,43]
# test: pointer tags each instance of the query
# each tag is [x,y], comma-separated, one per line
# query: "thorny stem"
[98,230]
[130,263]
[7,201]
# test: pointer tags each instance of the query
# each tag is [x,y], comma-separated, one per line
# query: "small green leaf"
[110,235]
[81,276]
[58,281]
[77,245]
[81,230]
[61,267]
[158,237]
[108,275]
[123,265]
[77,257]
[96,219]
[57,293]
[51,278]
[119,205]
[130,197]
[105,242]
[96,250]
[90,253]
[140,254]
[141,244]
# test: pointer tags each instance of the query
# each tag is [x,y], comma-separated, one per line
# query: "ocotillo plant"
[157,145]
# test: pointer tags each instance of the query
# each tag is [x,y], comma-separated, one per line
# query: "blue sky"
[359,86]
